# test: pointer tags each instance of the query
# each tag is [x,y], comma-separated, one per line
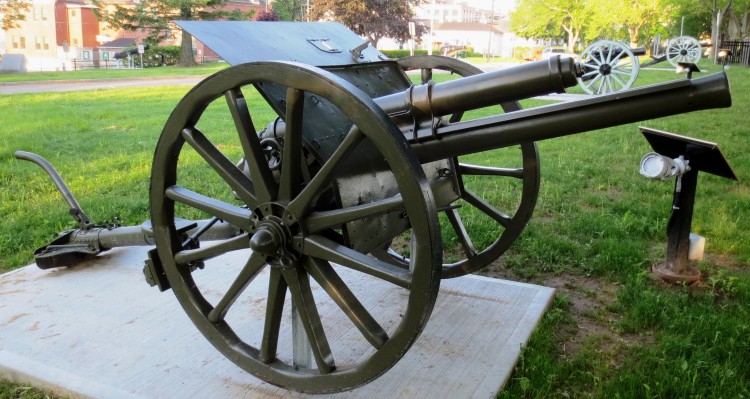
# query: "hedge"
[151,57]
[394,54]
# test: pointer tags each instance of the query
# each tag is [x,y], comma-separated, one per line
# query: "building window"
[15,42]
[44,43]
[37,43]
[86,55]
[36,13]
[22,42]
[105,55]
[75,42]
[44,14]
[72,13]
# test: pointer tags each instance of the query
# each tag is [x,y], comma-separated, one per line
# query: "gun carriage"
[350,168]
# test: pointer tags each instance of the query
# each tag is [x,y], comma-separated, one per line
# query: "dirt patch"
[595,323]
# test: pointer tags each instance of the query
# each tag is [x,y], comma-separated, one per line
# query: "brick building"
[65,34]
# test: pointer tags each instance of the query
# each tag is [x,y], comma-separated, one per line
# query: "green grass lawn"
[598,226]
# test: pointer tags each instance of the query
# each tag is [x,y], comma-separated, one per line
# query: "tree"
[551,18]
[267,15]
[155,18]
[740,19]
[12,12]
[290,10]
[373,19]
[710,13]
[636,20]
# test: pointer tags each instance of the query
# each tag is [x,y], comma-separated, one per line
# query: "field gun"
[329,157]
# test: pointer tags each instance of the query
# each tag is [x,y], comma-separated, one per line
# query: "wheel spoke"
[593,72]
[299,286]
[609,52]
[274,309]
[602,83]
[291,172]
[265,187]
[609,87]
[302,202]
[461,233]
[237,180]
[623,72]
[324,248]
[336,288]
[248,273]
[240,217]
[317,221]
[232,244]
[596,57]
[617,58]
[478,170]
[593,82]
[488,209]
[617,80]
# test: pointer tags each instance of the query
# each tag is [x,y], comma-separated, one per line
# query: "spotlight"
[657,166]
[723,56]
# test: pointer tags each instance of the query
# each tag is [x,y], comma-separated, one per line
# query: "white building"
[483,25]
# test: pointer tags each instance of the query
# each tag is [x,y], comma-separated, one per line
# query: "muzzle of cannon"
[346,164]
[127,53]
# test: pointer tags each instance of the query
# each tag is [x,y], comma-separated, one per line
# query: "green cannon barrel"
[572,117]
[482,90]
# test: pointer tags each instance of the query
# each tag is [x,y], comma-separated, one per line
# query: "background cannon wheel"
[609,67]
[509,217]
[293,231]
[684,49]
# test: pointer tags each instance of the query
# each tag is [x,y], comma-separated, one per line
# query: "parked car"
[550,51]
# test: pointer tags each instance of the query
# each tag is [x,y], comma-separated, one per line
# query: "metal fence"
[74,65]
[740,52]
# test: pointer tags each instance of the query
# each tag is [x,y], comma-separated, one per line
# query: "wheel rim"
[291,239]
[471,255]
[609,67]
[683,49]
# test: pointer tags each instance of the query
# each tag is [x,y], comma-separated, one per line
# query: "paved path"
[95,84]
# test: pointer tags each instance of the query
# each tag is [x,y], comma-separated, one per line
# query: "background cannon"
[612,66]
[127,53]
[329,168]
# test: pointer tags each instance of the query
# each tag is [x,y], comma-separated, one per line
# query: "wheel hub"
[274,237]
[605,69]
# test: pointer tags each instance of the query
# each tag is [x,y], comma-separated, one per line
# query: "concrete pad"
[98,330]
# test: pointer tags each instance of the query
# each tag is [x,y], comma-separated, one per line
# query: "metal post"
[430,44]
[678,229]
[682,25]
[489,43]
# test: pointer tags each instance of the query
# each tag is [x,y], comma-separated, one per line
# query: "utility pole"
[489,43]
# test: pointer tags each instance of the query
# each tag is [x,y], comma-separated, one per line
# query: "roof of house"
[120,43]
[467,27]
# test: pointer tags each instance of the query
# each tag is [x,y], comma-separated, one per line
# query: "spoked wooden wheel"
[609,67]
[683,49]
[293,228]
[481,229]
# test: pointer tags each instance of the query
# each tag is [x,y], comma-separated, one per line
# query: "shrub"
[401,53]
[151,56]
